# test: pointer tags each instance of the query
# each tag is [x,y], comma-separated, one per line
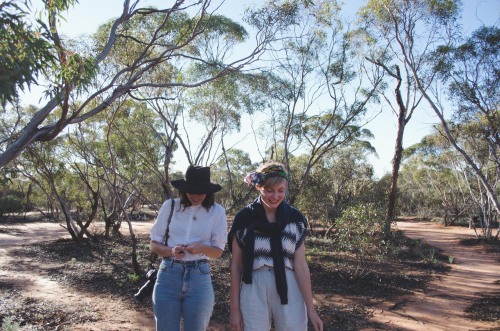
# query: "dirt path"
[112,313]
[439,307]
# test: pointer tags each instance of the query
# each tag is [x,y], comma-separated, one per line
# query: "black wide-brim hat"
[196,181]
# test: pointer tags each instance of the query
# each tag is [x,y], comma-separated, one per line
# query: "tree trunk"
[396,160]
[486,184]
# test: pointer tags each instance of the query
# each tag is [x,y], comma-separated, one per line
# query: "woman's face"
[196,199]
[273,195]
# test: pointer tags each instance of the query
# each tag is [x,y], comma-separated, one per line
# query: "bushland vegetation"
[156,86]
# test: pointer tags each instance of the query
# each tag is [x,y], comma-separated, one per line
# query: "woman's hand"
[178,251]
[236,320]
[303,276]
[196,248]
[316,322]
[235,317]
[207,250]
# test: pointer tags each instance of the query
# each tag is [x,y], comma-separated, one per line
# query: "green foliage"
[24,50]
[415,197]
[9,325]
[224,25]
[385,10]
[132,277]
[359,230]
[79,70]
[218,104]
[432,256]
[234,189]
[472,73]
[282,14]
[59,5]
[11,204]
[343,178]
[31,48]
[171,31]
[436,182]
[444,9]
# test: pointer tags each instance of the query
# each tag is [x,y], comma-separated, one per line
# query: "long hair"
[208,202]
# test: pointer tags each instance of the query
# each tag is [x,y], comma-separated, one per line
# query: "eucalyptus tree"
[445,180]
[319,89]
[196,118]
[47,167]
[24,50]
[171,40]
[217,109]
[434,181]
[407,32]
[342,179]
[136,138]
[471,73]
[470,136]
[420,38]
[229,171]
[121,152]
[201,120]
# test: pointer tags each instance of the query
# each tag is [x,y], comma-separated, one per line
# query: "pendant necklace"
[196,213]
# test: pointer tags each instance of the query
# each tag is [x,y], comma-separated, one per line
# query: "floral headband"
[257,178]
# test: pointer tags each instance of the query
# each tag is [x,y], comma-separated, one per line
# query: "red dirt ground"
[439,307]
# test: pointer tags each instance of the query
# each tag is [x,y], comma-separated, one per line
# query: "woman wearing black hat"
[197,232]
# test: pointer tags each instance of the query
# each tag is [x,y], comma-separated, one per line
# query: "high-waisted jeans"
[183,291]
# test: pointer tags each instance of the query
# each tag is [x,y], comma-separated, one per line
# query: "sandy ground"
[439,307]
[114,314]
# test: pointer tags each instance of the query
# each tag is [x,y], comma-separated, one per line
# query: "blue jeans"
[183,290]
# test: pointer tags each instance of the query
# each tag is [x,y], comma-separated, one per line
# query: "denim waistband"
[187,262]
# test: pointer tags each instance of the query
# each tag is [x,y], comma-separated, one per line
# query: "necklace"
[195,213]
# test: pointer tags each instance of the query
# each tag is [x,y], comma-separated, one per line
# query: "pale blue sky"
[86,16]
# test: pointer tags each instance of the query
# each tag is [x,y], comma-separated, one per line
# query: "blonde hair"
[272,167]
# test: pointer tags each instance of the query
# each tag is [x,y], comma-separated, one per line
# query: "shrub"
[9,325]
[359,230]
[10,204]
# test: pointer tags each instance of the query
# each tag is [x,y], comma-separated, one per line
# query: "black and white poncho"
[268,244]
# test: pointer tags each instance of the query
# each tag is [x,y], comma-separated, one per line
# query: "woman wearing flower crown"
[270,277]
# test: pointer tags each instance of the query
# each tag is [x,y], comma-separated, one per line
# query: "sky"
[87,15]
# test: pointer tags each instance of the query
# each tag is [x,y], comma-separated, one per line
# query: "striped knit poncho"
[268,244]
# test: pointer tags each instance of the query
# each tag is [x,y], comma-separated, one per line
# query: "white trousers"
[260,303]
